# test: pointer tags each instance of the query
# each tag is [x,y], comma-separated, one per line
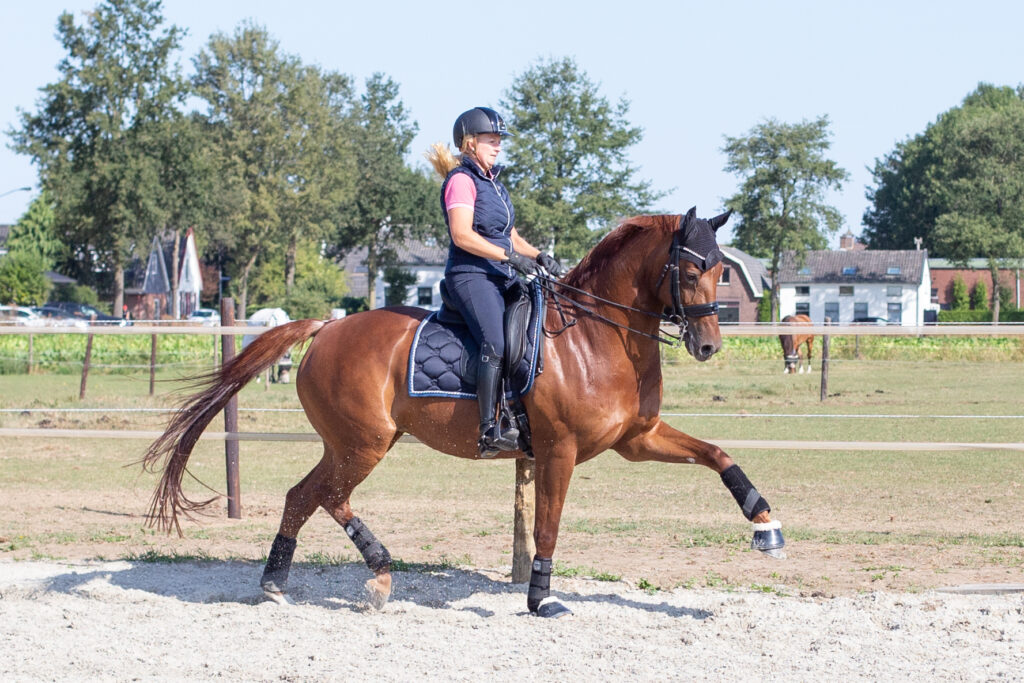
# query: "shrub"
[23,279]
[959,300]
[979,296]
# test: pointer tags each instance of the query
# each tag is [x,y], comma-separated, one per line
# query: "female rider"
[485,248]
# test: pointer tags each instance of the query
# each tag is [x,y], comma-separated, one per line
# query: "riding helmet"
[475,121]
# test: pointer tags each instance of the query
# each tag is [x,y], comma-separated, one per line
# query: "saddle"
[443,358]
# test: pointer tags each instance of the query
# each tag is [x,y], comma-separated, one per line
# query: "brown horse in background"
[600,390]
[791,346]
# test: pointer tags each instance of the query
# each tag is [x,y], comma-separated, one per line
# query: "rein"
[677,316]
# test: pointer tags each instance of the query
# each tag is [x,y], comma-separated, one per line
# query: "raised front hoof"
[768,539]
[278,597]
[551,608]
[378,590]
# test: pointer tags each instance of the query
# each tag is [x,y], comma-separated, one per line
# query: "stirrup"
[493,440]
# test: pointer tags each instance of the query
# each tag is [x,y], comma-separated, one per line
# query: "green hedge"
[976,316]
[871,347]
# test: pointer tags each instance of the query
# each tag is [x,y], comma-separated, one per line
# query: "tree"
[959,185]
[22,279]
[247,84]
[87,135]
[568,168]
[34,232]
[781,201]
[399,281]
[979,296]
[392,201]
[959,301]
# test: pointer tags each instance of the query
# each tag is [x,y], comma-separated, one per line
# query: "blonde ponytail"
[441,158]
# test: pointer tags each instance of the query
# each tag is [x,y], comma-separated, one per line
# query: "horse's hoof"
[378,590]
[768,539]
[552,608]
[279,597]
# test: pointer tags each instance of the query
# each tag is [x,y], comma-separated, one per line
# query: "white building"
[425,260]
[849,285]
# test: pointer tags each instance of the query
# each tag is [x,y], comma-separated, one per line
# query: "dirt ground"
[82,526]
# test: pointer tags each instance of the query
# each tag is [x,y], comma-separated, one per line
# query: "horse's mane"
[604,258]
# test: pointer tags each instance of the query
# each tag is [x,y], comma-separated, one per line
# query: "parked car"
[204,316]
[82,312]
[870,320]
[20,315]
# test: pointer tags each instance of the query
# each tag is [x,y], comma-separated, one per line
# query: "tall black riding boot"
[488,377]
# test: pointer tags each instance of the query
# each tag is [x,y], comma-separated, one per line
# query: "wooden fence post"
[31,353]
[227,317]
[152,364]
[824,362]
[523,546]
[85,367]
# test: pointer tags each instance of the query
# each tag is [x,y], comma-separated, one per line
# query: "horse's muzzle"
[699,349]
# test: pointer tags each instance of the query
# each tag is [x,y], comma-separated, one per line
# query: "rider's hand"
[550,264]
[521,263]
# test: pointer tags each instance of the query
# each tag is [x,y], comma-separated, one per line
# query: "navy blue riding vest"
[493,219]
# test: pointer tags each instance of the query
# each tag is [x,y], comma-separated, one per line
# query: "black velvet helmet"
[475,121]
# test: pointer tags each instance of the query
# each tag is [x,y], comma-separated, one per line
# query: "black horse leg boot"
[488,377]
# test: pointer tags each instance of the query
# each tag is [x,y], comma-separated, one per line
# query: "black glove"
[521,263]
[550,264]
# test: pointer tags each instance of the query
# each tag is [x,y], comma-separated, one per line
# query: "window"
[845,290]
[894,313]
[728,312]
[724,280]
[806,270]
[935,295]
[424,296]
[832,311]
[803,290]
[849,270]
[860,310]
[892,270]
[894,290]
[803,308]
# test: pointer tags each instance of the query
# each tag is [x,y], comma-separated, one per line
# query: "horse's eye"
[691,277]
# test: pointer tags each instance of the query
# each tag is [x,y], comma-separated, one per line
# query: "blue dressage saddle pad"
[443,357]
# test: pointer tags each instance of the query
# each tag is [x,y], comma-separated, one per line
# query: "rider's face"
[486,150]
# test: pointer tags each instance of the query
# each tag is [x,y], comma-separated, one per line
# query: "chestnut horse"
[794,362]
[352,385]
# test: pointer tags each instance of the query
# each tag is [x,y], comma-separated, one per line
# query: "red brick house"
[944,273]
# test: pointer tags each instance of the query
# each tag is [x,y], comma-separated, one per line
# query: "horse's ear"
[690,215]
[719,221]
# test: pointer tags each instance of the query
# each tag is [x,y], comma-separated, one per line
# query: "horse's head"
[694,299]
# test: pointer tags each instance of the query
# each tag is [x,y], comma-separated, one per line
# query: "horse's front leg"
[551,485]
[665,444]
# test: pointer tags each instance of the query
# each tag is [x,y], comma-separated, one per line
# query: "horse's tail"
[169,453]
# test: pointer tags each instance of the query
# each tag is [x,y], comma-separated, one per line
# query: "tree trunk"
[175,306]
[118,288]
[243,289]
[994,268]
[371,275]
[289,265]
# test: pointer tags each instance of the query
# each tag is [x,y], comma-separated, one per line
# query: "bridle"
[677,314]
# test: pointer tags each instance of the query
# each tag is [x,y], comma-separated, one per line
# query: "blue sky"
[693,72]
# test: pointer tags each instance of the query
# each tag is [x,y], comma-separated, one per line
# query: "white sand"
[121,620]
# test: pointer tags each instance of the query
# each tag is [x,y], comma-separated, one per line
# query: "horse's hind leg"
[301,502]
[351,467]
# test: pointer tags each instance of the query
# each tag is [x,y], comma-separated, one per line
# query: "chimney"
[847,241]
[918,241]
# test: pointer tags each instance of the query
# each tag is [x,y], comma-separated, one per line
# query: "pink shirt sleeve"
[460,191]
